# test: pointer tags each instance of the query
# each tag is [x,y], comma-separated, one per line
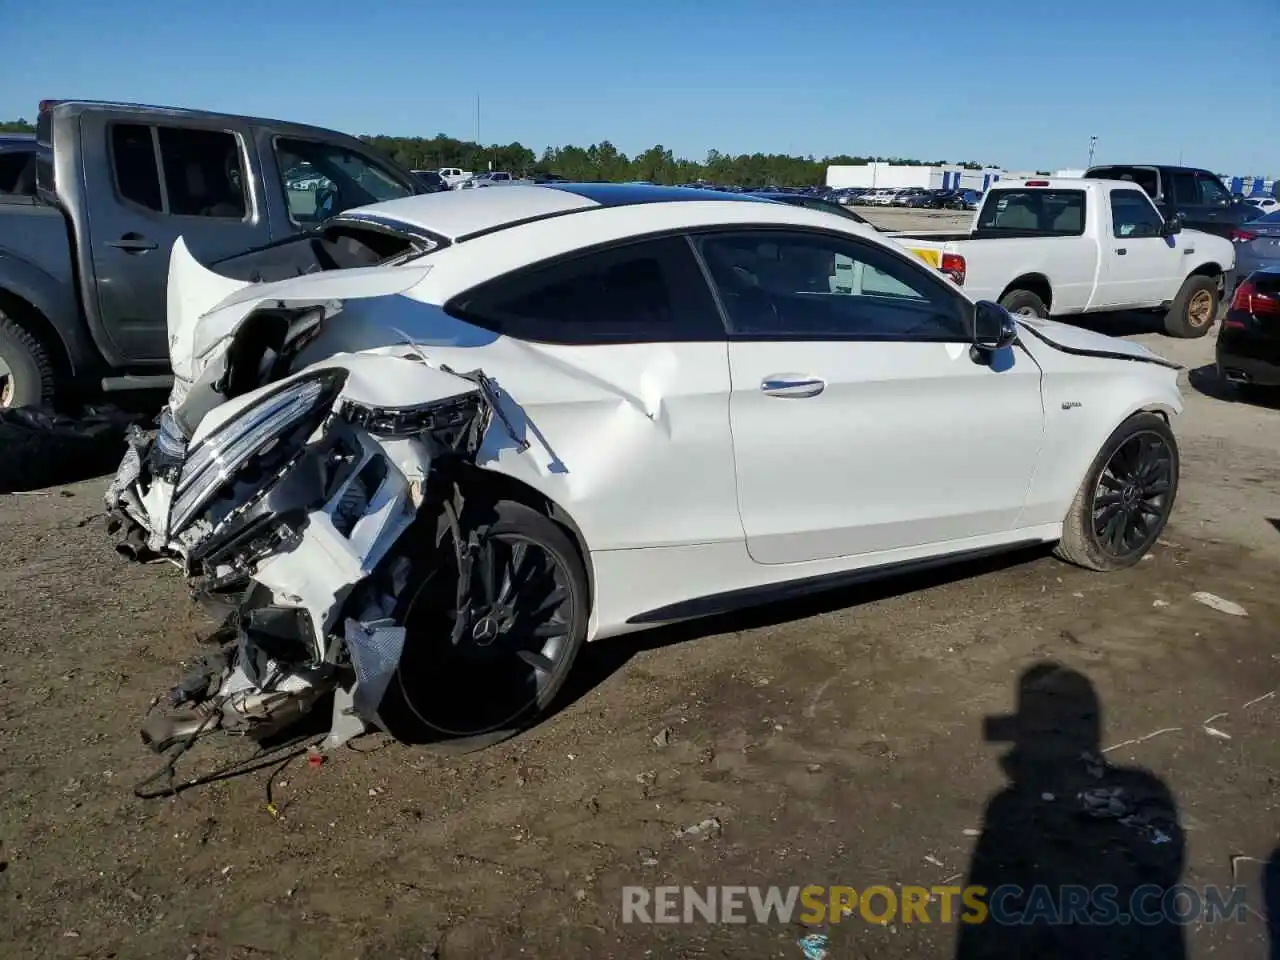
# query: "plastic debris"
[1217,603]
[814,946]
[710,827]
[1159,603]
[663,737]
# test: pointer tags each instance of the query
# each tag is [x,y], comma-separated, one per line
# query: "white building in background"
[947,177]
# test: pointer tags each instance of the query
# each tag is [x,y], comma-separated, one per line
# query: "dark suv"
[1196,197]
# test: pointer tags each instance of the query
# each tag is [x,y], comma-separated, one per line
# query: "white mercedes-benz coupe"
[424,453]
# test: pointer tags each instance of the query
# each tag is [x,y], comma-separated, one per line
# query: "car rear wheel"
[528,611]
[1194,309]
[1024,303]
[1124,502]
[26,372]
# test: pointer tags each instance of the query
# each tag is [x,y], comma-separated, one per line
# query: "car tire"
[424,701]
[1152,487]
[1194,309]
[30,380]
[1024,303]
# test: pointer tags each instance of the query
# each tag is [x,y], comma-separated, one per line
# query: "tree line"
[604,161]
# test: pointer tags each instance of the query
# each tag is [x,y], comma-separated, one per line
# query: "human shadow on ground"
[1076,854]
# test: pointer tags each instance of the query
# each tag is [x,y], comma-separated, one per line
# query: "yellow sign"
[879,904]
[932,257]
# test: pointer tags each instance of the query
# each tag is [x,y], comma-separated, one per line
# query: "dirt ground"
[839,740]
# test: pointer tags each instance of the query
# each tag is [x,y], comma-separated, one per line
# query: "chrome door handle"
[795,388]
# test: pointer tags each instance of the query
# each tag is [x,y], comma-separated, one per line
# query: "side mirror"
[993,328]
[1171,227]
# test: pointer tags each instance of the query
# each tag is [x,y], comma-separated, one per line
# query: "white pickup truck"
[1058,247]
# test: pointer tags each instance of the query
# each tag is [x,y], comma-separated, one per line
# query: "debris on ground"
[1103,803]
[814,946]
[1215,602]
[663,737]
[710,827]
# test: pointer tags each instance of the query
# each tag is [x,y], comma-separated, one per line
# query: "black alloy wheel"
[522,623]
[1132,498]
[1125,498]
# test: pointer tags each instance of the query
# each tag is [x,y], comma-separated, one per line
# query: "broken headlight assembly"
[263,436]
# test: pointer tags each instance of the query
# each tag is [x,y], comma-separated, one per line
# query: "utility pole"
[1093,142]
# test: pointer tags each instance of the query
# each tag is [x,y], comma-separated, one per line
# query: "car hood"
[1075,340]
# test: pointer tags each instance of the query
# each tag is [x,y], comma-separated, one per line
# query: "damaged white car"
[423,454]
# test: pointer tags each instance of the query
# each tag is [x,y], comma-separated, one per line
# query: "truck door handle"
[796,388]
[1121,251]
[132,243]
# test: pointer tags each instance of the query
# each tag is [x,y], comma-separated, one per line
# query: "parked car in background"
[454,176]
[493,178]
[1248,349]
[85,265]
[1195,196]
[1264,204]
[1257,244]
[18,164]
[880,197]
[967,200]
[811,202]
[911,197]
[1059,247]
[431,180]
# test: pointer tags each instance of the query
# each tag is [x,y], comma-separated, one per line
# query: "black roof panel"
[626,194]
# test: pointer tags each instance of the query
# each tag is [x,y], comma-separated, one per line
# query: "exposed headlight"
[277,424]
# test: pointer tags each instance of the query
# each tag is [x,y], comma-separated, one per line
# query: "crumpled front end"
[286,509]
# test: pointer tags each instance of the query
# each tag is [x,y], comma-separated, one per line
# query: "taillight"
[1242,236]
[954,267]
[1249,299]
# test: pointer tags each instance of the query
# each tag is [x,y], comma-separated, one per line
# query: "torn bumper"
[295,542]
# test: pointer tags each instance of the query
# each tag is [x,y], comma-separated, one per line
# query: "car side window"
[1211,191]
[133,158]
[203,173]
[321,180]
[648,291]
[1132,215]
[201,170]
[783,285]
[1185,190]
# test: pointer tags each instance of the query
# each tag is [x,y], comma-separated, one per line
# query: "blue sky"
[1016,83]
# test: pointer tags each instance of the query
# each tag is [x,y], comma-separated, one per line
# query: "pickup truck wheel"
[1124,502]
[26,372]
[1194,309]
[1025,303]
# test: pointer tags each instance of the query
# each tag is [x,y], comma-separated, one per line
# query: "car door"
[861,423]
[147,184]
[618,357]
[1139,264]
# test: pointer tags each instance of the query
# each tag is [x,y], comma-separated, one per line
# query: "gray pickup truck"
[96,201]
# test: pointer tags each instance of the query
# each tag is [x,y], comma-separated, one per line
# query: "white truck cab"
[1057,247]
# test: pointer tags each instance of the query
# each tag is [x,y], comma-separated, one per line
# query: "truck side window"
[133,156]
[203,173]
[1211,191]
[1132,215]
[1184,188]
[320,180]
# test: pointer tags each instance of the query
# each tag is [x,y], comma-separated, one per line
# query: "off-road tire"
[498,517]
[1024,302]
[1079,543]
[1178,321]
[29,365]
